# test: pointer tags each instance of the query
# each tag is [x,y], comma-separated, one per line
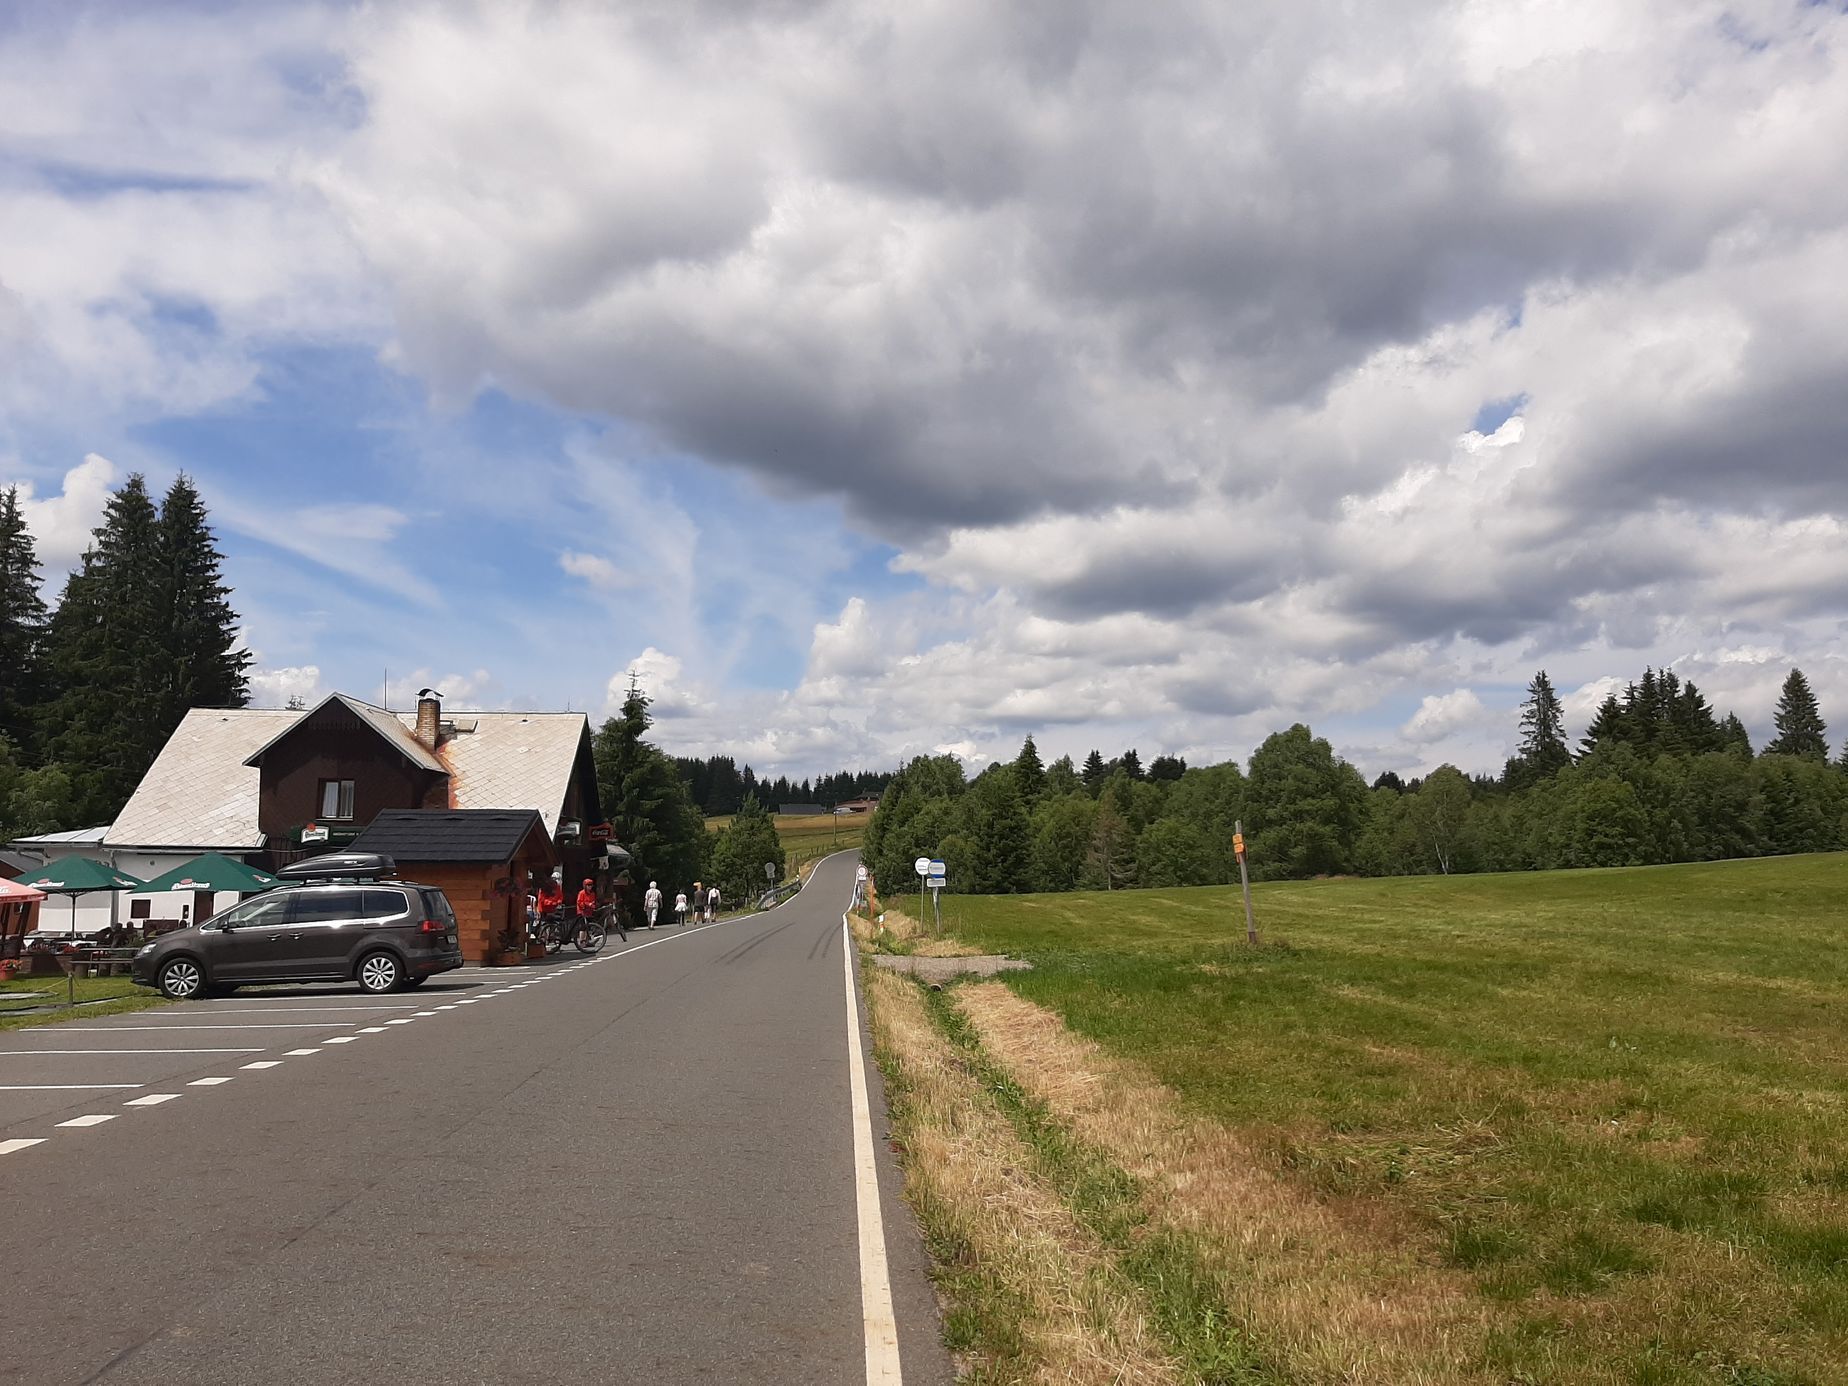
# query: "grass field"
[1612,1106]
[812,837]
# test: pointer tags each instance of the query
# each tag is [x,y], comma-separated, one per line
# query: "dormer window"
[337,800]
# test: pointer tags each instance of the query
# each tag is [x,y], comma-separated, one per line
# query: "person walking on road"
[651,903]
[680,908]
[712,903]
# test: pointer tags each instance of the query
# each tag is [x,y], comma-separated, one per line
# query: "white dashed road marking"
[397,1022]
[343,1039]
[265,1063]
[373,1030]
[153,1099]
[121,1029]
[8,1147]
[247,1050]
[95,1120]
[300,1053]
[207,1082]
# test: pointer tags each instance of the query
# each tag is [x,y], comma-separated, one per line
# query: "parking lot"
[88,1070]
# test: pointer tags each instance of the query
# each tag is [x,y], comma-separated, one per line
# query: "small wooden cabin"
[482,859]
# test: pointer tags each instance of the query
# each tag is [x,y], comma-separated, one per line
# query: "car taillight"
[431,926]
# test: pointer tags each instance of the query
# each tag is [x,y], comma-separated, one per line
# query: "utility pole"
[1244,880]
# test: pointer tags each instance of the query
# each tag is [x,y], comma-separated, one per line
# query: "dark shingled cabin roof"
[471,835]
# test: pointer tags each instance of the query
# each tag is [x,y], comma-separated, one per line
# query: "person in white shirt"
[680,908]
[651,903]
[712,903]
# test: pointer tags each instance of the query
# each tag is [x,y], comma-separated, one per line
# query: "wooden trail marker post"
[1244,880]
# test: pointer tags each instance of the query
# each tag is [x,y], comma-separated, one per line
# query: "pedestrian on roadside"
[712,903]
[680,908]
[696,899]
[651,903]
[587,899]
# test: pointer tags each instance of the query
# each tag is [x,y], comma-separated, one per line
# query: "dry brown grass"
[1332,1298]
[1074,1319]
[905,934]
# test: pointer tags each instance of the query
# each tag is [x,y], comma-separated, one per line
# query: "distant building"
[857,805]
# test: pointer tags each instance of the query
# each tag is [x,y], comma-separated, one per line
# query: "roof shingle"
[466,835]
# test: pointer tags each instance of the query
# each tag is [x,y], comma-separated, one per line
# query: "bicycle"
[551,931]
[591,930]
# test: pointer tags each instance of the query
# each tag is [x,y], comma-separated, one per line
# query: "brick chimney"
[429,717]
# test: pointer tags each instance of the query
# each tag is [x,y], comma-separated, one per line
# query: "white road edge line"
[64,1087]
[16,1053]
[881,1325]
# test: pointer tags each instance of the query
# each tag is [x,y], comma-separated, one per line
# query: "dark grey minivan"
[384,934]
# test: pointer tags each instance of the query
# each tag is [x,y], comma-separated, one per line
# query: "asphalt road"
[638,1168]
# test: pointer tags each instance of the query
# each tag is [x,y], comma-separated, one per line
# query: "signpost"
[1244,880]
[922,867]
[935,880]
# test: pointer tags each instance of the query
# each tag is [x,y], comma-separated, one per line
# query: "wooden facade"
[487,911]
[336,745]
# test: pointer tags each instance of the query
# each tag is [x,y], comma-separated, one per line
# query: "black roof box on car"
[340,866]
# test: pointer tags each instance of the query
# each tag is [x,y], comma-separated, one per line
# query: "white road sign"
[921,866]
[860,874]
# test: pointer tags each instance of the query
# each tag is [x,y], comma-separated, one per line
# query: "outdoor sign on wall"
[310,833]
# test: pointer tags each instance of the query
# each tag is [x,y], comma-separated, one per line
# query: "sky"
[882,379]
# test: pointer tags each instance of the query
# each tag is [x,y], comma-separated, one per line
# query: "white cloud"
[275,687]
[1441,715]
[596,570]
[61,525]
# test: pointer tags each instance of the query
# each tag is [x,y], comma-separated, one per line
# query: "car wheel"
[380,973]
[182,980]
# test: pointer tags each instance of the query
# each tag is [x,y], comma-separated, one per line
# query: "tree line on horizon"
[719,787]
[92,686]
[1658,777]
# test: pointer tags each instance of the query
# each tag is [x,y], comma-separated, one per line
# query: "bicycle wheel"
[551,934]
[589,936]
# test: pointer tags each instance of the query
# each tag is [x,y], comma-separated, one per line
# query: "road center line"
[880,1324]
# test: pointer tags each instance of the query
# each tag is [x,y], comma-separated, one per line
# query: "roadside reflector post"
[1244,879]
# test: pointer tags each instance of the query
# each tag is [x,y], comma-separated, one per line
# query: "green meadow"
[1614,1104]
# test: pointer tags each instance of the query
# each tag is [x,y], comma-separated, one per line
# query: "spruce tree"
[1061,779]
[1800,728]
[1543,736]
[1094,774]
[1029,774]
[1003,836]
[105,658]
[1734,737]
[22,627]
[645,801]
[1607,726]
[202,666]
[1132,764]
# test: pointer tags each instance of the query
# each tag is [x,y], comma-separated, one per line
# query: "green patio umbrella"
[74,876]
[207,875]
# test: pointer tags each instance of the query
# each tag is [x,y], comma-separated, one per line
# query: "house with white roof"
[272,786]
